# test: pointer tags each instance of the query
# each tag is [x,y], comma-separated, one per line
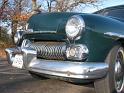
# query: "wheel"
[114,81]
[36,75]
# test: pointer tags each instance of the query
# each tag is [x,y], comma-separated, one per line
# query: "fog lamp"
[77,52]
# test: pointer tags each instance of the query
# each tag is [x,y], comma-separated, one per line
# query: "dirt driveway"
[13,80]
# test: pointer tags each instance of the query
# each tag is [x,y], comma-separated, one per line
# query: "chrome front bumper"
[69,69]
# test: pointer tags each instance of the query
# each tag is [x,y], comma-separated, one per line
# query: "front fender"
[105,25]
[101,35]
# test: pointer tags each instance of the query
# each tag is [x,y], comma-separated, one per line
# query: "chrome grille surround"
[50,50]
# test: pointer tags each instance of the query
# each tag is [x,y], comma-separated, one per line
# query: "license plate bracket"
[18,61]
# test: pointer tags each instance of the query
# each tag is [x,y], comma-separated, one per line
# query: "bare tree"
[2,10]
[70,4]
[65,5]
[16,10]
[3,7]
[18,14]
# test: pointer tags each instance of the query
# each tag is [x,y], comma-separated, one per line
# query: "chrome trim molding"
[30,31]
[114,34]
[77,70]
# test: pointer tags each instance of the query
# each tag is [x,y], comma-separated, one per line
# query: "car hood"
[49,24]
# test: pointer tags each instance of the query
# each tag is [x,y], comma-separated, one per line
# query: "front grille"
[50,50]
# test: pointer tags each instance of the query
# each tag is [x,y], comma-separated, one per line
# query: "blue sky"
[90,9]
[104,3]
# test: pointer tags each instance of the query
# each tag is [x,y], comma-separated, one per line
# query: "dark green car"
[74,47]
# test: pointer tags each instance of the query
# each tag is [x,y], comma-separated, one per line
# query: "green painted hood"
[49,22]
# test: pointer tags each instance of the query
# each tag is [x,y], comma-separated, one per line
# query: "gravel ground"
[14,80]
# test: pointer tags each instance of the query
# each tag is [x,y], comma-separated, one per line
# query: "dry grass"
[5,42]
[2,53]
[2,50]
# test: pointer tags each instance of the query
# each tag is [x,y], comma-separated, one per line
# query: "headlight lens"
[18,36]
[77,52]
[74,27]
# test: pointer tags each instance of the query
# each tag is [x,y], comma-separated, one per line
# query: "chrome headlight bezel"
[74,27]
[77,52]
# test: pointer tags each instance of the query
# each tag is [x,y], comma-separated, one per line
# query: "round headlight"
[18,36]
[74,27]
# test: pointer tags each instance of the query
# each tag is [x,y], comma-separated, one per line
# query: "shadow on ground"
[19,81]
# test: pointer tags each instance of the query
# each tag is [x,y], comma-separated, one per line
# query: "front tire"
[114,81]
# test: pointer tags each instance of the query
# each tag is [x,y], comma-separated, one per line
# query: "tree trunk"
[34,5]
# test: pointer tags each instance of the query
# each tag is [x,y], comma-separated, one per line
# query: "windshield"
[115,12]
